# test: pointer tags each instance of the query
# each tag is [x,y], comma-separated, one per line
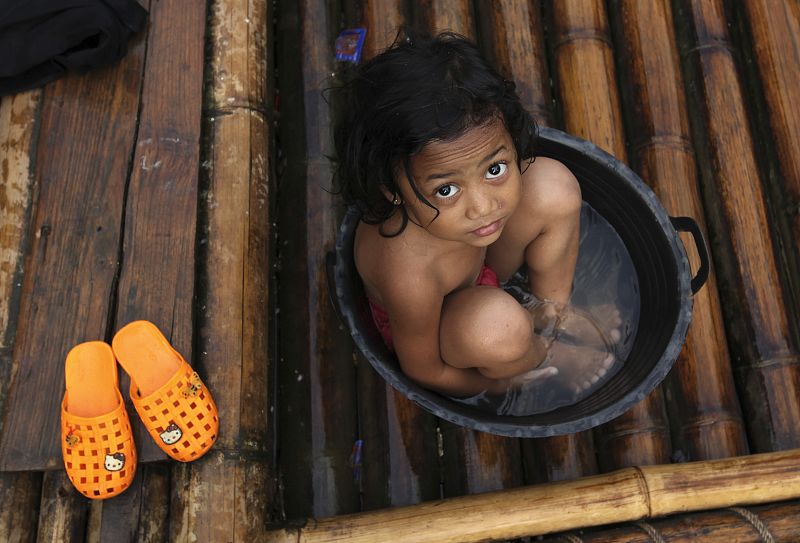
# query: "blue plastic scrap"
[350,43]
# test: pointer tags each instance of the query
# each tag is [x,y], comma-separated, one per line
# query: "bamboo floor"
[187,184]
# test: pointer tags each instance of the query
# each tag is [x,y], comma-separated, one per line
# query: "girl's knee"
[485,326]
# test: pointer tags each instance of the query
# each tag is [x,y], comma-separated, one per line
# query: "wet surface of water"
[595,334]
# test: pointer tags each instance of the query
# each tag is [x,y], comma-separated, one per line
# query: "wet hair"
[421,90]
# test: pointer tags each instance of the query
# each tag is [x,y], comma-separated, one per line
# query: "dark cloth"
[40,40]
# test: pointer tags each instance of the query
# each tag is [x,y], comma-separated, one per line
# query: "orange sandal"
[96,438]
[174,405]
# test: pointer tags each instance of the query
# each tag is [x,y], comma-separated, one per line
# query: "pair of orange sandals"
[173,403]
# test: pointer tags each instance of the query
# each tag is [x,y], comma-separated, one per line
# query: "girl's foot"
[599,327]
[579,367]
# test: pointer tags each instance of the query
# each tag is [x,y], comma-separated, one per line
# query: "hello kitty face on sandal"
[171,435]
[115,462]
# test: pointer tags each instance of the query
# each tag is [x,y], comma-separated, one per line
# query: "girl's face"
[473,180]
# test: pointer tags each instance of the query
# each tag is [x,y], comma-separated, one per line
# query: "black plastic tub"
[665,283]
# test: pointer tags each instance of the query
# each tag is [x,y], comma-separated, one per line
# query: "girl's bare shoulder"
[550,187]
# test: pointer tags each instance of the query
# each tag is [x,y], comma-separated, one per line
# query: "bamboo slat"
[768,367]
[775,31]
[400,460]
[157,279]
[625,495]
[62,510]
[316,404]
[72,259]
[20,494]
[515,43]
[775,522]
[226,495]
[591,109]
[472,461]
[707,421]
[443,15]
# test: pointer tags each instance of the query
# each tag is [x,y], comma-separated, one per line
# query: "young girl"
[438,153]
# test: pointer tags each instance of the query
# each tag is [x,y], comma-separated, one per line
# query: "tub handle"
[688,224]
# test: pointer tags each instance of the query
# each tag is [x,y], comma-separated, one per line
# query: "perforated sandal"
[96,438]
[172,401]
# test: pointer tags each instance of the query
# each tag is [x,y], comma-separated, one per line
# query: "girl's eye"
[496,170]
[447,191]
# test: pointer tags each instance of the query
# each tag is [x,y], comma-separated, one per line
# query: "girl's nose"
[482,203]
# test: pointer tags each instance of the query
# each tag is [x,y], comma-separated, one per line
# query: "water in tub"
[592,337]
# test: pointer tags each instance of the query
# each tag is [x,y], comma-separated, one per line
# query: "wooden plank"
[400,454]
[87,131]
[765,355]
[317,400]
[707,417]
[779,521]
[226,495]
[514,38]
[591,108]
[625,495]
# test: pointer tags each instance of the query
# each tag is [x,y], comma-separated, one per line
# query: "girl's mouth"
[489,229]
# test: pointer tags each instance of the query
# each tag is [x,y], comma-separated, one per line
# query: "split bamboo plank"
[516,44]
[317,400]
[226,495]
[62,510]
[399,464]
[19,492]
[446,16]
[774,522]
[591,108]
[701,392]
[775,31]
[766,358]
[472,461]
[86,134]
[625,495]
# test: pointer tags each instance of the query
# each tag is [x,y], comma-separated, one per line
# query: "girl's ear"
[394,198]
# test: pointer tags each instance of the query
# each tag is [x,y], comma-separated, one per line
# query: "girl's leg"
[485,328]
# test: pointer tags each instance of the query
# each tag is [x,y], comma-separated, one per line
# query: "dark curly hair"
[420,90]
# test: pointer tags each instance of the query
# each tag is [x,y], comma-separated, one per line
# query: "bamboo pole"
[775,33]
[516,44]
[774,522]
[226,495]
[317,401]
[768,367]
[625,495]
[399,464]
[707,417]
[591,108]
